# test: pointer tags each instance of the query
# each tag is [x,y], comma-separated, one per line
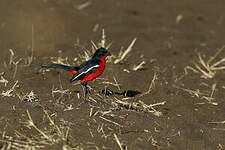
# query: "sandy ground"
[181,105]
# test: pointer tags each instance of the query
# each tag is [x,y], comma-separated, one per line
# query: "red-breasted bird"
[88,70]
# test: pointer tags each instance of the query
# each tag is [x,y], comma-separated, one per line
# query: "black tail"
[59,66]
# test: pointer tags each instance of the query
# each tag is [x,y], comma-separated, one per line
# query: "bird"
[87,71]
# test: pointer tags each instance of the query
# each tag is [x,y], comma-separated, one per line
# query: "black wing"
[86,69]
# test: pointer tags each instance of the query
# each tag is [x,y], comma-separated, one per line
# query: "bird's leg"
[85,89]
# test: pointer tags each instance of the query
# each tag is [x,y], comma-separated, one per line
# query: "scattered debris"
[217,122]
[52,134]
[11,57]
[84,5]
[116,84]
[208,69]
[113,122]
[68,107]
[30,58]
[95,28]
[12,61]
[138,106]
[60,59]
[103,41]
[202,94]
[3,80]
[139,66]
[30,97]
[9,92]
[59,93]
[118,141]
[179,18]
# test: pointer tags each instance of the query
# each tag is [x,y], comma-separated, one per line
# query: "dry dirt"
[181,105]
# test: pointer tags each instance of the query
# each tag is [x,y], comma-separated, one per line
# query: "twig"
[118,141]
[207,68]
[83,6]
[103,38]
[8,93]
[139,66]
[127,51]
[217,122]
[151,86]
[31,124]
[110,121]
[3,80]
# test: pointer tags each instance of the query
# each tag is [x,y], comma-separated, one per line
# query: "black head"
[101,52]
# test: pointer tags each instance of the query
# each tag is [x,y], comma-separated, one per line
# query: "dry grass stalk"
[209,98]
[87,54]
[118,141]
[3,80]
[202,95]
[11,57]
[30,97]
[110,121]
[179,18]
[30,58]
[115,59]
[220,147]
[62,135]
[95,28]
[116,84]
[209,68]
[189,68]
[94,45]
[12,143]
[151,86]
[68,107]
[103,41]
[16,67]
[150,108]
[9,92]
[123,55]
[219,129]
[91,112]
[83,5]
[217,122]
[111,83]
[139,66]
[55,134]
[100,129]
[195,93]
[12,61]
[108,113]
[61,92]
[155,143]
[137,106]
[60,59]
[30,123]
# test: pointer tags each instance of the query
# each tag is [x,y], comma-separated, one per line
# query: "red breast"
[98,72]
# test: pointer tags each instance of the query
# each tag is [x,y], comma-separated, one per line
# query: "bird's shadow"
[126,93]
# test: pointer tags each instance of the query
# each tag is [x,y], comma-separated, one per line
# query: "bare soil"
[181,110]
